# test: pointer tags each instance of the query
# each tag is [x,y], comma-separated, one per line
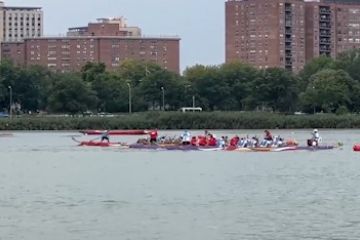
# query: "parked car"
[3,114]
[87,113]
[104,114]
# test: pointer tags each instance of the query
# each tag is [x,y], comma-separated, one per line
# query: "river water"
[52,189]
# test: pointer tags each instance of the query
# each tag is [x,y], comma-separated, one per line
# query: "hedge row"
[177,120]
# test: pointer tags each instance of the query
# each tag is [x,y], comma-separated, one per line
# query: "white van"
[191,109]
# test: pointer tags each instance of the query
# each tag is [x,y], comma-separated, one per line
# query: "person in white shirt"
[316,138]
[186,137]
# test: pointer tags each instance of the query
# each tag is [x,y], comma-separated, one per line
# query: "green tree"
[31,88]
[349,61]
[311,68]
[195,72]
[71,94]
[211,90]
[8,74]
[275,89]
[328,90]
[136,71]
[112,94]
[91,71]
[238,77]
[150,89]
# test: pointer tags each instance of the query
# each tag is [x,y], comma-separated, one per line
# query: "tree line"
[324,85]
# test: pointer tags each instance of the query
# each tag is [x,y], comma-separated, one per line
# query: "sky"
[199,23]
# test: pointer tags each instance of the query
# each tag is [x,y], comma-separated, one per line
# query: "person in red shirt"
[234,141]
[194,141]
[212,141]
[153,136]
[202,141]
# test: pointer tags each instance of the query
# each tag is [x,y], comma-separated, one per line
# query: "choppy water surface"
[52,189]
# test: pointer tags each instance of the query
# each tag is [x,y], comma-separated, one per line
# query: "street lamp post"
[163,98]
[129,97]
[314,101]
[193,96]
[10,102]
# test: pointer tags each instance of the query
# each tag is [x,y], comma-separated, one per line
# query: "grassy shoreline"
[178,120]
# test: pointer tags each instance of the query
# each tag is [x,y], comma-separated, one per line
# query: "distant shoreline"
[178,121]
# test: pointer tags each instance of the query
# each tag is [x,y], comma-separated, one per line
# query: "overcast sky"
[199,23]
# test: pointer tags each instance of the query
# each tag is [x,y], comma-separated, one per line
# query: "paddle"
[95,139]
[75,140]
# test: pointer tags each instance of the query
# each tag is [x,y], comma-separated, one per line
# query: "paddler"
[221,142]
[268,135]
[278,141]
[316,139]
[207,133]
[153,136]
[234,141]
[202,141]
[243,142]
[268,139]
[186,138]
[194,141]
[105,136]
[212,141]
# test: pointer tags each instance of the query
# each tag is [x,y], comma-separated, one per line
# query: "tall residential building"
[333,26]
[17,23]
[289,33]
[107,41]
[266,33]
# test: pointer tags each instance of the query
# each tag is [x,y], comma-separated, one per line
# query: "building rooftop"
[175,37]
[2,6]
[21,8]
[76,28]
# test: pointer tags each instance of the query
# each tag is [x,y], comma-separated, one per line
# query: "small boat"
[145,146]
[274,149]
[115,132]
[262,149]
[6,135]
[93,143]
[316,148]
[194,148]
[102,144]
[180,147]
[210,149]
[173,147]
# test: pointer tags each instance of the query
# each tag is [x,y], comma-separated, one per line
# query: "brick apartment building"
[289,33]
[108,40]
